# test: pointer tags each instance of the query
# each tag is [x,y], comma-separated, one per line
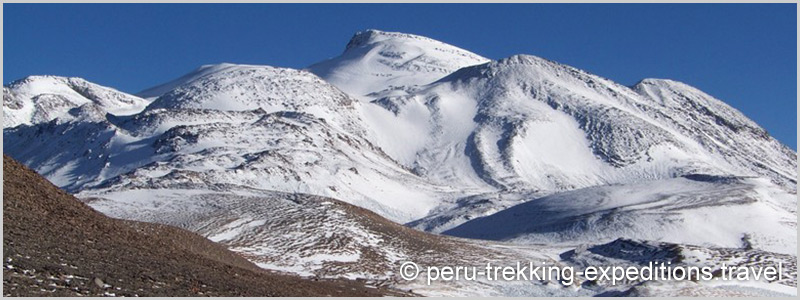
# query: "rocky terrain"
[54,245]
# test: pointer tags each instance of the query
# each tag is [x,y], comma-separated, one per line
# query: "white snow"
[377,60]
[522,150]
[38,99]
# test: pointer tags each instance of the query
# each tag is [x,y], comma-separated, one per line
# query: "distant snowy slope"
[37,99]
[700,210]
[526,123]
[374,61]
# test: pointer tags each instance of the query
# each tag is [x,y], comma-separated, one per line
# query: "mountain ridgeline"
[521,149]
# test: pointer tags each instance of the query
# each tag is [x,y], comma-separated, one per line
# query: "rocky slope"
[326,238]
[54,245]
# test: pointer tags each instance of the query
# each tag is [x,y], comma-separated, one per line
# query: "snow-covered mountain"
[526,123]
[39,99]
[247,127]
[521,150]
[388,62]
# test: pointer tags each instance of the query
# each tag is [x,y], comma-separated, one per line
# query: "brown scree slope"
[55,245]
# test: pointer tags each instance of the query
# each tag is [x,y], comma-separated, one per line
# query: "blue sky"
[744,54]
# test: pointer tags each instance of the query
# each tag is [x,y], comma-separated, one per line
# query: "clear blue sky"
[744,54]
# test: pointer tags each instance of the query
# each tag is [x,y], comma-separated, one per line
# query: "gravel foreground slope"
[54,245]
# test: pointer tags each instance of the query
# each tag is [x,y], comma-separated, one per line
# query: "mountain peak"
[513,65]
[375,60]
[369,36]
[201,71]
[42,81]
[523,59]
[362,38]
[663,82]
